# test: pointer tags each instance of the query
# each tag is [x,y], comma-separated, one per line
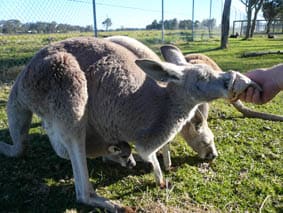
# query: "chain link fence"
[276,27]
[26,26]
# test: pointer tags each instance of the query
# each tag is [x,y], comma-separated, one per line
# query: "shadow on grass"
[3,104]
[11,62]
[202,51]
[178,161]
[40,181]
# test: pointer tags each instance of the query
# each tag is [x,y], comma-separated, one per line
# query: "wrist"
[277,76]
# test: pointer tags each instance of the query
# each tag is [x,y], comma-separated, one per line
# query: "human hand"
[266,79]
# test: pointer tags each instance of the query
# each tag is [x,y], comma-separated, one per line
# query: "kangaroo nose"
[211,156]
[131,163]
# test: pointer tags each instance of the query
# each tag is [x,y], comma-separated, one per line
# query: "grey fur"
[84,83]
[196,132]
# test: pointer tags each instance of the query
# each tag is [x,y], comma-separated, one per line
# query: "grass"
[246,177]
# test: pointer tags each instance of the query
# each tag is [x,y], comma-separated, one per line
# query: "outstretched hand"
[266,79]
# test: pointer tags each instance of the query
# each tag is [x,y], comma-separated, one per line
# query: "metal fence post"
[94,18]
[193,20]
[162,21]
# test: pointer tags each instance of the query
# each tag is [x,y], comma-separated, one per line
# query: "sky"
[123,13]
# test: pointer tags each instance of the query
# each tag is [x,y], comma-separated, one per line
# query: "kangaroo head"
[200,137]
[198,82]
[121,153]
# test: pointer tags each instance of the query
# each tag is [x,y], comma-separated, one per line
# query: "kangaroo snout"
[209,152]
[131,163]
[211,156]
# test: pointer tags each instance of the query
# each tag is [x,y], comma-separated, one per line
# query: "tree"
[185,24]
[51,27]
[225,24]
[210,24]
[174,24]
[196,24]
[250,6]
[271,10]
[257,8]
[107,23]
[11,26]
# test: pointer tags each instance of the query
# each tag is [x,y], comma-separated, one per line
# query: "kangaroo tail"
[19,120]
[247,112]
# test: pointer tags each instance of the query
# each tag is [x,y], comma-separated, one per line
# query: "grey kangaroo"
[84,83]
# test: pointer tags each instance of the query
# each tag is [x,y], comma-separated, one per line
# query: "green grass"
[247,171]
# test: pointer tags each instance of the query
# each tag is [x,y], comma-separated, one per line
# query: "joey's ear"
[114,149]
[160,71]
[204,109]
[173,55]
[198,120]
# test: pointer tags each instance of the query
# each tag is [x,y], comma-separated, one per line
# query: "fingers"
[256,97]
[251,95]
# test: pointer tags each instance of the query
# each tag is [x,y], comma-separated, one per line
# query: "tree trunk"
[268,26]
[249,18]
[253,26]
[258,6]
[225,24]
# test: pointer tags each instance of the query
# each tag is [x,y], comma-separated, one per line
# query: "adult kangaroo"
[87,83]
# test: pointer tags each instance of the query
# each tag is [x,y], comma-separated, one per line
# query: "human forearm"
[277,75]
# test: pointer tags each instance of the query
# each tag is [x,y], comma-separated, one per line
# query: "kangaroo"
[84,83]
[196,132]
[200,137]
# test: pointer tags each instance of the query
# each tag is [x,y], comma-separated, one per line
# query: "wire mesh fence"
[26,26]
[261,27]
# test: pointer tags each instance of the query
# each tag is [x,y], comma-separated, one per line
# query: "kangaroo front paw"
[126,209]
[162,185]
[165,185]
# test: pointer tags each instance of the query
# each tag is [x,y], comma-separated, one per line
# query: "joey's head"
[195,82]
[121,153]
[200,137]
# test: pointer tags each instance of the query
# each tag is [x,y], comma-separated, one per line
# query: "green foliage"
[247,172]
[107,23]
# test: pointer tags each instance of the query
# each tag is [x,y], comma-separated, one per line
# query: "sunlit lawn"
[247,176]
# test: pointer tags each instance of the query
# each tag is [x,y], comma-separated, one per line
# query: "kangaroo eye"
[205,142]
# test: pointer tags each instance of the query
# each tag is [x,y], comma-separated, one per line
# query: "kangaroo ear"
[197,120]
[173,55]
[114,149]
[204,109]
[160,71]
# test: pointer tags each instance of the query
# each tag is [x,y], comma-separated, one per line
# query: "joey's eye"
[198,126]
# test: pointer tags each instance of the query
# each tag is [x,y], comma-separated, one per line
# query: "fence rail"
[261,27]
[27,26]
